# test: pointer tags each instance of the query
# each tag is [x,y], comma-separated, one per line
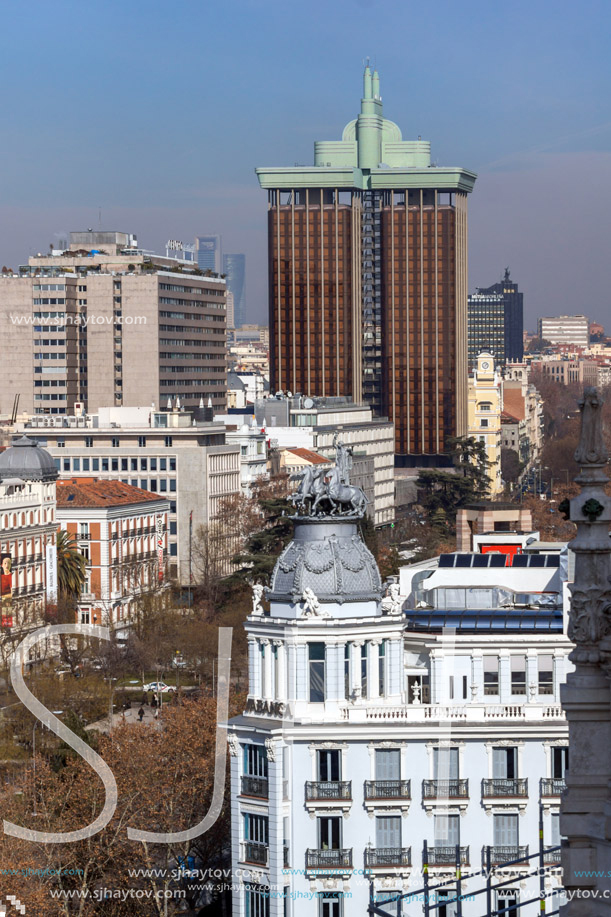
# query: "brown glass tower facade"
[368,280]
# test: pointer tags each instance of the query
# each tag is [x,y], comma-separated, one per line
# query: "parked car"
[158,687]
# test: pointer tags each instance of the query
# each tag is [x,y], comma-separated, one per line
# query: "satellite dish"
[308,403]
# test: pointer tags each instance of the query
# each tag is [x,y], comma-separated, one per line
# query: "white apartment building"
[386,736]
[28,565]
[168,453]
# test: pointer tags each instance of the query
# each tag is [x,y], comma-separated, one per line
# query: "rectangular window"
[115,442]
[88,442]
[491,674]
[66,464]
[173,485]
[364,654]
[446,829]
[445,764]
[143,484]
[560,762]
[257,900]
[388,831]
[168,441]
[153,485]
[347,670]
[329,764]
[143,464]
[382,668]
[329,833]
[173,527]
[124,464]
[505,830]
[76,464]
[105,464]
[555,829]
[95,464]
[255,761]
[153,464]
[61,442]
[518,674]
[134,482]
[546,674]
[507,902]
[388,764]
[142,441]
[114,464]
[330,904]
[86,464]
[316,658]
[163,464]
[172,464]
[505,763]
[163,485]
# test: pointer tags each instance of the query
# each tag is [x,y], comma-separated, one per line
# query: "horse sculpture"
[329,487]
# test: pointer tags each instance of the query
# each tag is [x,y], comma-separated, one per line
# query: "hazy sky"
[157,113]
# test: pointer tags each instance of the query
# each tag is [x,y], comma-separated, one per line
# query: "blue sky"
[158,113]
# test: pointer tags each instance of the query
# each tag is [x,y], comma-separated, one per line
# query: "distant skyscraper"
[565,329]
[368,279]
[486,327]
[234,266]
[484,312]
[209,253]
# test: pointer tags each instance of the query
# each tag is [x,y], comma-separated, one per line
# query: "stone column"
[267,669]
[281,671]
[355,668]
[585,814]
[373,663]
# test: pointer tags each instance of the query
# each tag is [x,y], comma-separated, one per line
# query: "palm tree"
[71,565]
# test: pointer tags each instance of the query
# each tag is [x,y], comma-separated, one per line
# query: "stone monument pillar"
[585,814]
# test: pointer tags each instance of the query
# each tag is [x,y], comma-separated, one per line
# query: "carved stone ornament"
[591,449]
[391,603]
[234,744]
[590,618]
[311,605]
[270,746]
[258,592]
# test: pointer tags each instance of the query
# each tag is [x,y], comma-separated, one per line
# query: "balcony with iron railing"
[255,852]
[255,786]
[446,856]
[503,787]
[445,789]
[552,786]
[380,857]
[322,859]
[552,856]
[286,858]
[505,854]
[328,790]
[387,789]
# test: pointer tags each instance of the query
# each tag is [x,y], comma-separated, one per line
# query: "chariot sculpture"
[328,491]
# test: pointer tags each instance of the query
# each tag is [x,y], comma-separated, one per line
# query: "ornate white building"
[385,736]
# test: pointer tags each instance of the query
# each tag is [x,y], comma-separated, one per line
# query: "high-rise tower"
[368,278]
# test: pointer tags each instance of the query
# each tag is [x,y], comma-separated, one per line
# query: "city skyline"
[537,123]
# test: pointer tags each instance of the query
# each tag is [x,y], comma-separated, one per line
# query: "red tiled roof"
[91,492]
[313,457]
[506,417]
[513,402]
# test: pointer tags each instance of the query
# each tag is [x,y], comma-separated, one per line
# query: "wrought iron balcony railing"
[329,859]
[388,856]
[500,855]
[388,789]
[255,786]
[445,789]
[551,856]
[446,856]
[552,786]
[328,789]
[255,852]
[505,786]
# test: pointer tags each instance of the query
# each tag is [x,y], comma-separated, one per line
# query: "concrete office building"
[565,329]
[234,268]
[110,324]
[158,451]
[368,279]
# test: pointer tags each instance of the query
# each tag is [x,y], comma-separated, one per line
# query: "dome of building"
[26,459]
[329,557]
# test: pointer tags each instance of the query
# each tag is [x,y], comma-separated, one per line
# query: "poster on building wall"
[6,588]
[160,526]
[51,558]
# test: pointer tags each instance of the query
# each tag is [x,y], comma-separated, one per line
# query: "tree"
[537,344]
[71,566]
[274,529]
[511,466]
[441,493]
